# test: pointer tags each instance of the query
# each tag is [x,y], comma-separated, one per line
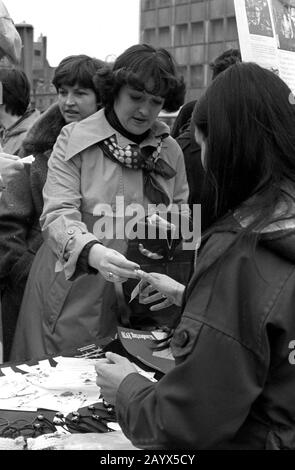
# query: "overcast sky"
[99,28]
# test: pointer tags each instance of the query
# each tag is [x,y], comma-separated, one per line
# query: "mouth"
[140,121]
[71,112]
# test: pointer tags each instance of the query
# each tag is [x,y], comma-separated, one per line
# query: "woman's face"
[137,110]
[76,102]
[201,140]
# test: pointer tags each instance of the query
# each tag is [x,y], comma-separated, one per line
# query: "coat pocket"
[185,337]
[55,299]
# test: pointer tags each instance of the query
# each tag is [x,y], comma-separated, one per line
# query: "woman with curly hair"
[120,151]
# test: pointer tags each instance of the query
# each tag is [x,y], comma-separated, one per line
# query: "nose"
[144,109]
[70,99]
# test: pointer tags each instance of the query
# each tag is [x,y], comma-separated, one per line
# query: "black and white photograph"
[284,15]
[258,16]
[147,230]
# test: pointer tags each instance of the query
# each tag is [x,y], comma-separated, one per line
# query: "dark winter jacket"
[20,209]
[234,380]
[194,171]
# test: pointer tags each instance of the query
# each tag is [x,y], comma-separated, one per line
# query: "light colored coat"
[57,313]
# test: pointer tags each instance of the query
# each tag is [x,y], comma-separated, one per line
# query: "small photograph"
[258,16]
[285,25]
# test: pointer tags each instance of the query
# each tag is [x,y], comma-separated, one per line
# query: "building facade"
[35,65]
[194,31]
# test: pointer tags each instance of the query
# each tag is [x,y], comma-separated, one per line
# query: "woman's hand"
[112,265]
[9,166]
[110,373]
[166,288]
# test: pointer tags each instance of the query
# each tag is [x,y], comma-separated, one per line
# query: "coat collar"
[96,128]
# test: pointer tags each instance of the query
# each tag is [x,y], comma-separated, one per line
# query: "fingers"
[148,253]
[165,304]
[8,156]
[151,298]
[119,260]
[115,358]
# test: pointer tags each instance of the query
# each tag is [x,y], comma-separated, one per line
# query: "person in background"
[9,166]
[16,117]
[122,150]
[234,376]
[189,146]
[22,202]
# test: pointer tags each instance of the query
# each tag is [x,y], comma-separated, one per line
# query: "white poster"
[266,31]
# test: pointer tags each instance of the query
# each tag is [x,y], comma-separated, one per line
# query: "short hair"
[225,60]
[77,69]
[248,120]
[134,68]
[16,91]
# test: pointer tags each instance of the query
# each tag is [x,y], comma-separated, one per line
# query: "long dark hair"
[248,120]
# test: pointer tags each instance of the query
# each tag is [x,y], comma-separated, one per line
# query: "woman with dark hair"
[234,375]
[22,201]
[119,155]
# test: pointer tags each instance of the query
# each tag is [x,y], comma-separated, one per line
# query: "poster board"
[266,30]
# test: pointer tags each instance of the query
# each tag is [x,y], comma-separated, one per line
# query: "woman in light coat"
[119,157]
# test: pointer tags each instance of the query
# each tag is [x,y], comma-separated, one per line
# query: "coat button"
[70,231]
[182,338]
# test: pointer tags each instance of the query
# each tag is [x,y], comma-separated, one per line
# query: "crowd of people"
[68,261]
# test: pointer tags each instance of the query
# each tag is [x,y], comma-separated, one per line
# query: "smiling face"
[137,110]
[76,102]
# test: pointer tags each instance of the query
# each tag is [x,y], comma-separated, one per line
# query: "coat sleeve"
[181,190]
[200,404]
[61,220]
[204,401]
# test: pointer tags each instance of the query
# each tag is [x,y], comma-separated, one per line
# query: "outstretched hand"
[111,371]
[9,166]
[160,288]
[112,265]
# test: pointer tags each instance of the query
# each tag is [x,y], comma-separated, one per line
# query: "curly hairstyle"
[77,69]
[225,60]
[138,66]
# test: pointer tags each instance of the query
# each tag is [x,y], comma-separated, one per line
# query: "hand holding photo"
[28,160]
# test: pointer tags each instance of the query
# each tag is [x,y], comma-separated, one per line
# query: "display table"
[92,426]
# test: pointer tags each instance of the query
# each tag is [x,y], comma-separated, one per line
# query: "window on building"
[37,53]
[197,32]
[216,30]
[150,36]
[182,70]
[149,4]
[181,35]
[164,3]
[164,37]
[231,28]
[197,76]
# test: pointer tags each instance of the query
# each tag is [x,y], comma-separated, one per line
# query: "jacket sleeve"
[16,218]
[61,219]
[203,401]
[181,190]
[200,404]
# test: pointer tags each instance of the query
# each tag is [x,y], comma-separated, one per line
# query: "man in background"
[16,116]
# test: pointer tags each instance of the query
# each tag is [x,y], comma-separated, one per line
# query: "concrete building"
[35,64]
[194,31]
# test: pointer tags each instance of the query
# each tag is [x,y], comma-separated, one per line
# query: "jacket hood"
[278,236]
[23,124]
[44,132]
